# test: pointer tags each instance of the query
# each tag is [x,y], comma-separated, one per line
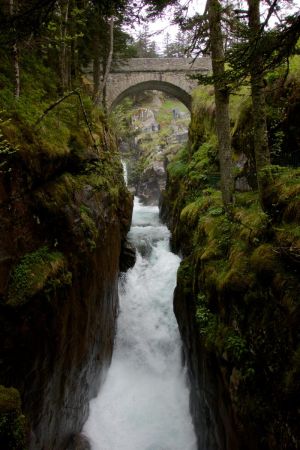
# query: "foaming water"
[125,171]
[144,402]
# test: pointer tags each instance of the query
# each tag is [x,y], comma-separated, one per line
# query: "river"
[144,401]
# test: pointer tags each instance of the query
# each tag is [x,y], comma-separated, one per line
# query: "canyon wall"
[237,294]
[63,221]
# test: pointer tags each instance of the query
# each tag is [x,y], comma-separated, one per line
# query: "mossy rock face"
[264,262]
[242,292]
[185,276]
[13,427]
[35,271]
[66,211]
[240,282]
[281,193]
[56,194]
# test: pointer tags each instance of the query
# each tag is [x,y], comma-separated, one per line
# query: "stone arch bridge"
[170,75]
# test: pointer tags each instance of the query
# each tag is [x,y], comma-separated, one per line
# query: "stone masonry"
[170,75]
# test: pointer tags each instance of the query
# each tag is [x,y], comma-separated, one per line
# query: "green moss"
[185,276]
[239,103]
[164,115]
[81,202]
[243,265]
[281,194]
[89,226]
[178,166]
[154,146]
[191,213]
[32,274]
[292,376]
[62,130]
[264,261]
[242,276]
[9,400]
[236,280]
[13,426]
[206,321]
[177,169]
[254,223]
[199,168]
[56,194]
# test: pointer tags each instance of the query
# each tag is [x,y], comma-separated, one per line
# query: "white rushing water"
[144,401]
[125,171]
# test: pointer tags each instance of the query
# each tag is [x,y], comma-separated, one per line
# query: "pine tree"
[221,100]
[261,148]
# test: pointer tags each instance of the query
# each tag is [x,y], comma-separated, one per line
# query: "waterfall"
[144,401]
[125,174]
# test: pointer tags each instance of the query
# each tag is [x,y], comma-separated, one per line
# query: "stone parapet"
[162,65]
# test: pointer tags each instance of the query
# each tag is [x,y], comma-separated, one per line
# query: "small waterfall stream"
[144,401]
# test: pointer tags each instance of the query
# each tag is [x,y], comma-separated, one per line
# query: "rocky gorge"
[63,228]
[65,215]
[158,127]
[237,294]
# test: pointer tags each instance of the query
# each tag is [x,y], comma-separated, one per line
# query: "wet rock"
[152,183]
[128,256]
[144,121]
[57,345]
[242,179]
[210,408]
[79,442]
[144,247]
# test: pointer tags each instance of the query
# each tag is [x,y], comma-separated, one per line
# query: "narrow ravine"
[144,401]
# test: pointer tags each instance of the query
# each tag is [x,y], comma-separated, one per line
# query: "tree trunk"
[73,47]
[261,148]
[73,61]
[108,62]
[15,56]
[100,85]
[15,53]
[64,69]
[221,101]
[96,66]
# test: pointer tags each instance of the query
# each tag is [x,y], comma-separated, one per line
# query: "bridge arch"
[170,75]
[155,85]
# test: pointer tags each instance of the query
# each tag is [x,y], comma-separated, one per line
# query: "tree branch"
[270,12]
[110,56]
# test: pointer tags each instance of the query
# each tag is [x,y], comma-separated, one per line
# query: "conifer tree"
[212,29]
[221,100]
[261,148]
